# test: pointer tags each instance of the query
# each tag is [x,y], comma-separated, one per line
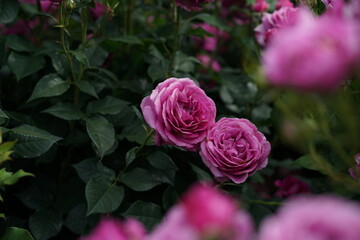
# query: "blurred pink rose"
[204,213]
[234,149]
[99,10]
[210,43]
[272,23]
[180,112]
[236,10]
[48,6]
[283,3]
[290,186]
[313,218]
[113,229]
[316,54]
[260,6]
[208,62]
[192,5]
[355,171]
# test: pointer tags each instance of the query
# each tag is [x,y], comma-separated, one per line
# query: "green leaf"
[201,174]
[139,180]
[102,197]
[14,233]
[261,113]
[91,167]
[161,161]
[23,65]
[45,224]
[77,221]
[66,111]
[199,32]
[19,44]
[107,105]
[134,132]
[127,39]
[2,114]
[8,10]
[148,213]
[86,87]
[81,57]
[101,132]
[31,141]
[2,216]
[212,20]
[9,178]
[49,86]
[306,162]
[59,63]
[96,55]
[131,155]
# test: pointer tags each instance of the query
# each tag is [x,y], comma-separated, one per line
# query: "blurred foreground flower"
[290,186]
[204,213]
[313,218]
[180,112]
[260,6]
[209,63]
[316,54]
[234,149]
[283,3]
[210,43]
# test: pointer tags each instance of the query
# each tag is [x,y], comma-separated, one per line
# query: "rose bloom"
[180,112]
[234,149]
[290,186]
[208,43]
[208,62]
[313,218]
[260,6]
[99,10]
[316,54]
[272,23]
[283,3]
[204,213]
[191,5]
[113,229]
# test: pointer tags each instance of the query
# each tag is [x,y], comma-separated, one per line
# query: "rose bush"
[180,112]
[234,150]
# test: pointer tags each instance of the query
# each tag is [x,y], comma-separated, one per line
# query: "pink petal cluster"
[315,54]
[180,112]
[208,62]
[113,229]
[290,186]
[355,171]
[313,218]
[283,3]
[204,213]
[272,23]
[234,149]
[208,43]
[192,5]
[260,6]
[99,10]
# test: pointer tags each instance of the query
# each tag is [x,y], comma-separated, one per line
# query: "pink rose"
[236,10]
[99,10]
[210,43]
[191,5]
[290,186]
[272,23]
[209,63]
[313,218]
[180,112]
[283,3]
[113,229]
[204,213]
[260,6]
[355,171]
[316,54]
[234,149]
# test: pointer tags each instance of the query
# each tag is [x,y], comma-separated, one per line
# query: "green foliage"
[13,233]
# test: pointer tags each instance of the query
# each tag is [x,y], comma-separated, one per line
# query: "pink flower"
[316,54]
[290,186]
[180,112]
[313,218]
[46,5]
[191,5]
[260,6]
[208,62]
[355,171]
[204,213]
[99,10]
[112,229]
[236,10]
[234,149]
[272,23]
[283,3]
[210,43]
